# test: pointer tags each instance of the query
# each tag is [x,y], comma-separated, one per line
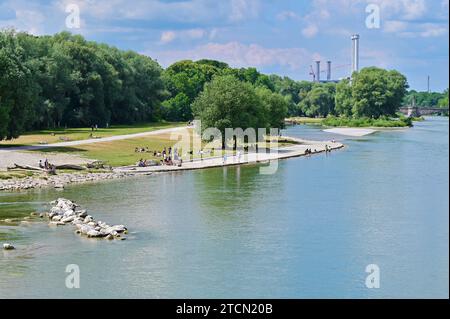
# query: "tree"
[227,102]
[377,92]
[318,102]
[17,89]
[343,98]
[275,107]
[188,77]
[177,108]
[443,102]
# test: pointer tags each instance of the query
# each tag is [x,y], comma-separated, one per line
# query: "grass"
[18,174]
[77,134]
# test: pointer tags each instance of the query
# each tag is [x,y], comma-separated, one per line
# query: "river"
[307,231]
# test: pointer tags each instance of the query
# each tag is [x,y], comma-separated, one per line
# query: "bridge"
[416,111]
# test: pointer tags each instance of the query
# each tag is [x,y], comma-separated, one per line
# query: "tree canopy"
[64,80]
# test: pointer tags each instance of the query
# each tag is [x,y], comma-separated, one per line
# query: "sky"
[283,37]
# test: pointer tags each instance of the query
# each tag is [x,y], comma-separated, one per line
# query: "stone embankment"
[57,181]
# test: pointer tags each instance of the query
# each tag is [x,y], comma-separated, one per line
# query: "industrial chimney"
[328,70]
[355,53]
[317,71]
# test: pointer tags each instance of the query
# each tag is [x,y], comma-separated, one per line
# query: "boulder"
[81,213]
[68,219]
[8,246]
[88,219]
[93,233]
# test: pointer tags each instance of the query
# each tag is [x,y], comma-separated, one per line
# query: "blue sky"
[282,37]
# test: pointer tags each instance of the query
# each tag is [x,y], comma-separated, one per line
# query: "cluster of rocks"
[7,246]
[57,181]
[66,212]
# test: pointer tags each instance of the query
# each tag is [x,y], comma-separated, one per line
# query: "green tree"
[318,102]
[275,107]
[443,102]
[177,108]
[17,88]
[343,98]
[227,102]
[377,92]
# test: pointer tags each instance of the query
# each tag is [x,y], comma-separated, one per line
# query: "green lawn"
[76,134]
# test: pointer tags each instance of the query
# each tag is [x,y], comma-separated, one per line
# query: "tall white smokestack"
[355,53]
[317,71]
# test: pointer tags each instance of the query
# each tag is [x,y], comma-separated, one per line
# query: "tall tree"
[227,102]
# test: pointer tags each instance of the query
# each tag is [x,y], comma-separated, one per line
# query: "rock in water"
[65,211]
[8,246]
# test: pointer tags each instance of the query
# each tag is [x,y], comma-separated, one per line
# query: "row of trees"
[64,80]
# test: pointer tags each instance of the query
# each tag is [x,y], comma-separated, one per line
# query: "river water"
[308,231]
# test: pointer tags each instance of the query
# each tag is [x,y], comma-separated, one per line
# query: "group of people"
[169,156]
[50,168]
[142,150]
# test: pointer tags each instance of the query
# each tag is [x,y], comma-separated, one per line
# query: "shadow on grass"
[57,150]
[8,146]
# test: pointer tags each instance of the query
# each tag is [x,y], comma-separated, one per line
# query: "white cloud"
[401,9]
[27,18]
[393,26]
[189,34]
[241,55]
[414,30]
[433,30]
[287,15]
[168,36]
[244,9]
[310,31]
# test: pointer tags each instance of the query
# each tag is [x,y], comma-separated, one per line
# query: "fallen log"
[26,167]
[70,166]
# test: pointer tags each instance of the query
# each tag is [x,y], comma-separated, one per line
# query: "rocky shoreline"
[57,181]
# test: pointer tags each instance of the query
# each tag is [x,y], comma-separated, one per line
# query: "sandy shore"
[356,132]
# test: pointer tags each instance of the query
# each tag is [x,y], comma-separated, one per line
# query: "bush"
[383,121]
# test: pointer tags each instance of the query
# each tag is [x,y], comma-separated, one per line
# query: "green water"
[307,231]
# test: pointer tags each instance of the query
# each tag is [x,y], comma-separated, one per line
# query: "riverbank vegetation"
[59,81]
[426,99]
[367,122]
